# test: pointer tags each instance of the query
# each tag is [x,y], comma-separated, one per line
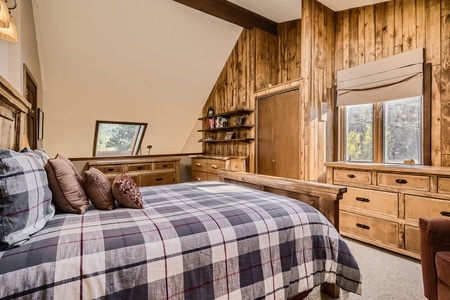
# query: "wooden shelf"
[247,140]
[230,113]
[225,128]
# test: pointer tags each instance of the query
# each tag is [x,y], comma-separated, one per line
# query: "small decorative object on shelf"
[210,112]
[210,123]
[229,135]
[222,122]
[241,120]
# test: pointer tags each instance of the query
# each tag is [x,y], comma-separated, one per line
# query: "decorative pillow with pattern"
[68,191]
[98,188]
[26,199]
[38,153]
[126,192]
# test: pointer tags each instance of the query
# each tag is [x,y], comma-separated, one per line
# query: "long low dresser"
[144,171]
[384,202]
[206,168]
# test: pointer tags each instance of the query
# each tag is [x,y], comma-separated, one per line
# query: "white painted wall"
[142,61]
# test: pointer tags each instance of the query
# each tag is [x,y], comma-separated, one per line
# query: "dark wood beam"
[232,13]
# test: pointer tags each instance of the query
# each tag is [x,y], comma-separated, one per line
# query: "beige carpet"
[386,275]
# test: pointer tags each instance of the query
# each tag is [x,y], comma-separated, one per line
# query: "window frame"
[137,140]
[378,125]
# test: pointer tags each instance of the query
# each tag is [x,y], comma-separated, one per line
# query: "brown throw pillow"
[127,192]
[71,165]
[68,193]
[98,189]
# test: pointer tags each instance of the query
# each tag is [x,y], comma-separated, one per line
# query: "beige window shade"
[396,77]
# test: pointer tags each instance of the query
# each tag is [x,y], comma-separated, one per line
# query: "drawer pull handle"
[361,199]
[164,166]
[401,181]
[445,213]
[214,166]
[198,178]
[159,179]
[110,169]
[139,168]
[198,164]
[363,226]
[351,175]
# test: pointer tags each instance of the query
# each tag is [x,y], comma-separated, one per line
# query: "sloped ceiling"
[152,61]
[144,61]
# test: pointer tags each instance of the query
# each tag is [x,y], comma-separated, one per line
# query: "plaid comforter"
[191,241]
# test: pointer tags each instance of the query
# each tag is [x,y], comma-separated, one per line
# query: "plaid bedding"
[205,240]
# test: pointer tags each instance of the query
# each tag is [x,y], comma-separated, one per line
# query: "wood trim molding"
[232,13]
[279,88]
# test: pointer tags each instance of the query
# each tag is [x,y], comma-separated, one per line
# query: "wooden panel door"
[278,135]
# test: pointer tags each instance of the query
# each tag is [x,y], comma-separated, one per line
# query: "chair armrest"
[434,237]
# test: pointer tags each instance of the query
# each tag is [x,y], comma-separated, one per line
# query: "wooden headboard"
[13,116]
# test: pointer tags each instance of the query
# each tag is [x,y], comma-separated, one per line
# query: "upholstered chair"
[435,256]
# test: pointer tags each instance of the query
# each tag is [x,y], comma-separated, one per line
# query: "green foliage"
[115,137]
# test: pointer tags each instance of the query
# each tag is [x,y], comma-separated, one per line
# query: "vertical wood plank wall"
[318,45]
[378,31]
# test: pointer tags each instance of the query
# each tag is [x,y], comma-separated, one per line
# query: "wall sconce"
[8,28]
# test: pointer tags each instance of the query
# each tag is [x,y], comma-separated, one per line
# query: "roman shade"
[396,77]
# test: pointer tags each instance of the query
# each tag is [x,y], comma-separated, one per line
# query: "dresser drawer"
[444,185]
[138,167]
[111,169]
[414,182]
[420,207]
[376,201]
[157,178]
[412,239]
[163,166]
[213,166]
[199,176]
[353,176]
[370,228]
[198,164]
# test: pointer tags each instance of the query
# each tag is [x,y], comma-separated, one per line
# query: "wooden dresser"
[145,171]
[384,202]
[206,168]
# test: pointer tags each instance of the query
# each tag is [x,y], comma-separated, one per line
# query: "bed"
[246,237]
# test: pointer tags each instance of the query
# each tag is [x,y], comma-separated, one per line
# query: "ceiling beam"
[232,13]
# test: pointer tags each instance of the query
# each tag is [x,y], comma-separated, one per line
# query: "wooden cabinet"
[206,168]
[215,130]
[144,171]
[384,202]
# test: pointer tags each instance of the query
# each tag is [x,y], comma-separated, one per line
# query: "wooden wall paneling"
[266,59]
[388,29]
[445,87]
[420,24]
[369,34]
[445,8]
[345,41]
[379,30]
[251,162]
[339,46]
[353,38]
[409,25]
[361,41]
[289,35]
[398,26]
[436,116]
[433,32]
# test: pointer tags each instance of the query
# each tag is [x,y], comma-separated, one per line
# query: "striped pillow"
[26,200]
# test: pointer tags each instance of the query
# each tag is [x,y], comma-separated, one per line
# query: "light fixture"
[9,33]
[4,14]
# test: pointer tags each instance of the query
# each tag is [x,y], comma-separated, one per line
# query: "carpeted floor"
[386,275]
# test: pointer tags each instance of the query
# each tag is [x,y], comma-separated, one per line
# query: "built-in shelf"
[226,128]
[229,113]
[228,141]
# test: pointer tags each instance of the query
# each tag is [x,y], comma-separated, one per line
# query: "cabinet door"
[278,135]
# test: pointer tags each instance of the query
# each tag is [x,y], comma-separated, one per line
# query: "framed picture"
[210,112]
[229,135]
[40,129]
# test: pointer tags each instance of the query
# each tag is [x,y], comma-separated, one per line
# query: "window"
[118,138]
[388,132]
